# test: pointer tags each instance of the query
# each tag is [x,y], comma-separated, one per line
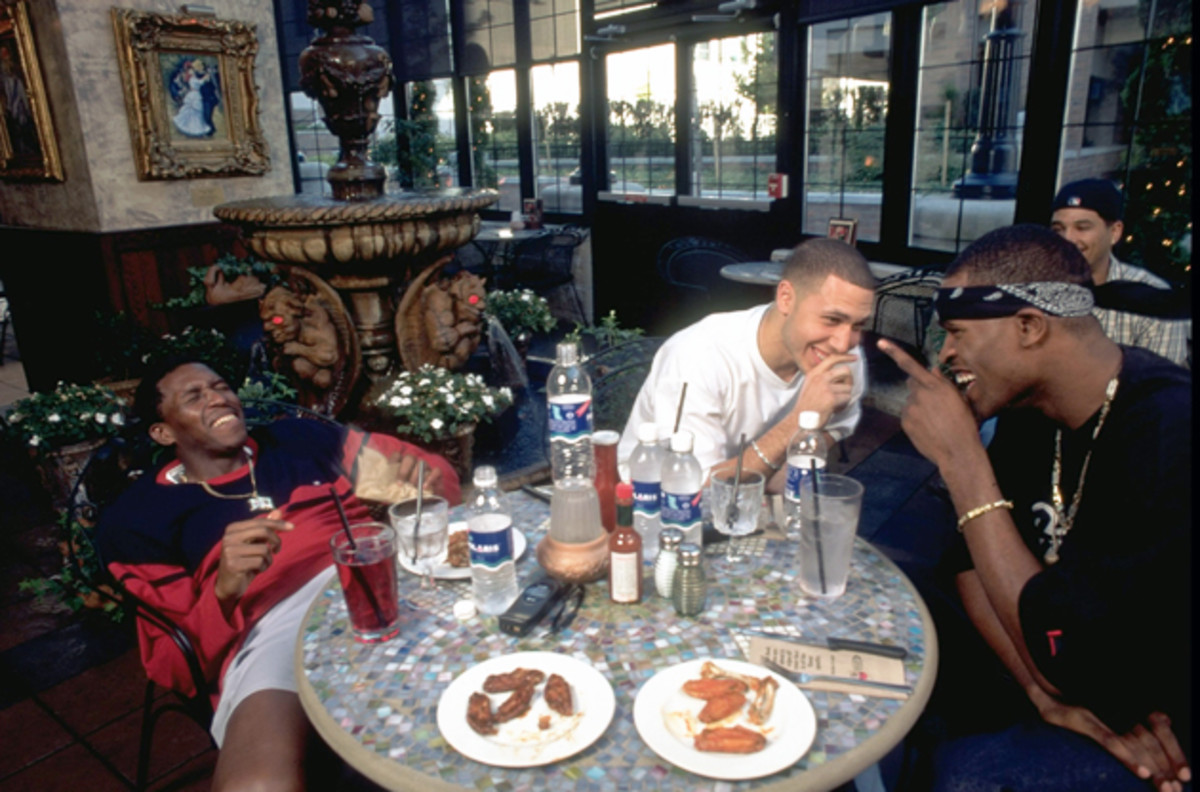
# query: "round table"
[759,273]
[376,705]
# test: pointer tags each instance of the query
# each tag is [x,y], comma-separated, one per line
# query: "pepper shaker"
[667,560]
[690,589]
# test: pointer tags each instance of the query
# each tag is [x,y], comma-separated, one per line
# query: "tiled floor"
[71,684]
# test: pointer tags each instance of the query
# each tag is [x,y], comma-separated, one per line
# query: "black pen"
[850,645]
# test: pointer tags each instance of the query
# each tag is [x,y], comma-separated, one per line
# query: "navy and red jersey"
[162,540]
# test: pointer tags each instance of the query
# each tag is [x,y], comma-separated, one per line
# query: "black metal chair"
[107,473]
[904,306]
[691,267]
[544,263]
[617,375]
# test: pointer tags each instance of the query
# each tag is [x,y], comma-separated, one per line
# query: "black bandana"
[988,302]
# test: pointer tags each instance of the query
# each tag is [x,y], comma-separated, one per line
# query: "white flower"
[488,401]
[470,405]
[436,423]
[423,382]
[404,402]
[394,401]
[53,418]
[506,393]
[118,419]
[15,417]
[449,398]
[406,390]
[34,441]
[101,418]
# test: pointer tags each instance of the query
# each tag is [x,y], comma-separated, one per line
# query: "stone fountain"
[357,247]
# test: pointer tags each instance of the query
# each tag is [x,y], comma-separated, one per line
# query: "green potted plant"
[74,584]
[61,428]
[521,313]
[438,409]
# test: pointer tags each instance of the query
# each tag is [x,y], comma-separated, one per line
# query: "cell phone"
[531,606]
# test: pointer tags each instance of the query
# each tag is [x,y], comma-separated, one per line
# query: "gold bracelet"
[763,457]
[979,511]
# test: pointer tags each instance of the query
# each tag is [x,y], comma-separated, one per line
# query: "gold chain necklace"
[1060,526]
[257,502]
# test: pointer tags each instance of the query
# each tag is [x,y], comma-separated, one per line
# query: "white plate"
[665,717]
[443,571]
[519,743]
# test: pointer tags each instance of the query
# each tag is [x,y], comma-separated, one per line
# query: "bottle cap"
[647,432]
[568,353]
[464,609]
[624,491]
[689,554]
[810,419]
[485,476]
[681,442]
[670,538]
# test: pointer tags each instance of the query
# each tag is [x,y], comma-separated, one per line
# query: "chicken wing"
[558,695]
[711,688]
[516,705]
[721,707]
[517,678]
[735,739]
[479,714]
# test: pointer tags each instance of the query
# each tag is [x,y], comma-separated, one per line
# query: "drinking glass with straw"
[830,506]
[736,503]
[423,526]
[365,557]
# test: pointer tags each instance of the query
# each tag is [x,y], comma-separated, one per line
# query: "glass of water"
[830,506]
[736,505]
[423,543]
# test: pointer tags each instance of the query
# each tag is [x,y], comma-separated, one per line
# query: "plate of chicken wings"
[525,709]
[724,719]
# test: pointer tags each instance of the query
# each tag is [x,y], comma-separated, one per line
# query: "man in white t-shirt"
[754,371]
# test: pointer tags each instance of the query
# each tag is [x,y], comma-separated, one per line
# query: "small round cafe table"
[376,705]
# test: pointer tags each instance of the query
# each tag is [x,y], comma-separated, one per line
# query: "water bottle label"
[646,497]
[680,510]
[491,548]
[570,420]
[797,471]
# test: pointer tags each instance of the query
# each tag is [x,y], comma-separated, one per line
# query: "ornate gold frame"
[142,39]
[14,26]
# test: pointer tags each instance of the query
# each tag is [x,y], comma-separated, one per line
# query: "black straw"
[355,571]
[816,504]
[342,513]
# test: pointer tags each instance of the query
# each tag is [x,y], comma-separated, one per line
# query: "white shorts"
[265,660]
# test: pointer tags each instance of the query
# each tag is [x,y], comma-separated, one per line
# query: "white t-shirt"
[730,388]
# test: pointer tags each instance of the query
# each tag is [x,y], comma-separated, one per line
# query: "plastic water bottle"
[806,450]
[569,402]
[645,472]
[490,540]
[682,480]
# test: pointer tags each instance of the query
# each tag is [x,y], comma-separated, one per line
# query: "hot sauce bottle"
[625,552]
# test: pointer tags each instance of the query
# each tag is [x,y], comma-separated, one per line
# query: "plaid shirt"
[1166,337]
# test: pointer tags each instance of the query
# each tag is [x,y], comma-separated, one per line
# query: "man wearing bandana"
[1075,522]
[1087,213]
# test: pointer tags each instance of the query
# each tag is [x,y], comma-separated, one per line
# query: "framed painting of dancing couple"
[190,95]
[28,147]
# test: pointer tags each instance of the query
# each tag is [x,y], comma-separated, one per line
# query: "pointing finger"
[904,360]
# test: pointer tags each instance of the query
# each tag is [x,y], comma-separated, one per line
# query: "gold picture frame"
[28,146]
[190,95]
[843,229]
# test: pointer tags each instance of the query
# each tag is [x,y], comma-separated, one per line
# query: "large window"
[735,82]
[847,90]
[1129,117]
[557,136]
[974,74]
[641,120]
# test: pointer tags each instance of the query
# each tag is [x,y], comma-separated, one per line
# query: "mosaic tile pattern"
[386,695]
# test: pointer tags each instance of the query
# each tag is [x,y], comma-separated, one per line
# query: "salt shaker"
[690,589]
[667,560]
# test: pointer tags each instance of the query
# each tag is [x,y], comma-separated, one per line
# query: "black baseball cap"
[1099,195]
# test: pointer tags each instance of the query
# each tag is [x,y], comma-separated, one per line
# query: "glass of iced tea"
[365,558]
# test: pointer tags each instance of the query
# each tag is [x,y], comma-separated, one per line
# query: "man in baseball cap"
[1088,213]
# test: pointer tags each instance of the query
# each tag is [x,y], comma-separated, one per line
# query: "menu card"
[821,660]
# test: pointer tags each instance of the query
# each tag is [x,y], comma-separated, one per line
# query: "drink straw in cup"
[731,514]
[817,525]
[420,499]
[355,571]
[679,409]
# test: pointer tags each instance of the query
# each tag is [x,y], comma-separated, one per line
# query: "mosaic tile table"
[376,705]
